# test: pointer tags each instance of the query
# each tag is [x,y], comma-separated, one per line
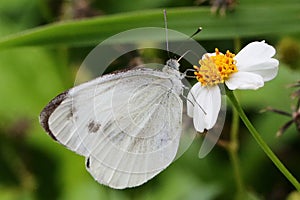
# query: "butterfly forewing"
[127,124]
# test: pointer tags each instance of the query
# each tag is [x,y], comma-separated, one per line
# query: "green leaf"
[245,21]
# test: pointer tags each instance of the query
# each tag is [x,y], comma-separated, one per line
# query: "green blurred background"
[42,44]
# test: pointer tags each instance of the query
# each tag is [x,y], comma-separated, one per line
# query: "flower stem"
[234,141]
[260,141]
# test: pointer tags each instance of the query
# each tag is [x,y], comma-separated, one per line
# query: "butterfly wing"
[127,125]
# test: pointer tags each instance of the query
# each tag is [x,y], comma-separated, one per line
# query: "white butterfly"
[127,124]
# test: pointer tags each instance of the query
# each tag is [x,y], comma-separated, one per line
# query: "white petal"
[206,109]
[195,90]
[268,69]
[253,54]
[244,80]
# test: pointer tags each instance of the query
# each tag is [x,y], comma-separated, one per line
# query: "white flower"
[249,69]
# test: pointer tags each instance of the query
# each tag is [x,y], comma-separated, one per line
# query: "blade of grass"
[244,22]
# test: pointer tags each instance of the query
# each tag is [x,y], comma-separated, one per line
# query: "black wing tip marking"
[87,164]
[49,109]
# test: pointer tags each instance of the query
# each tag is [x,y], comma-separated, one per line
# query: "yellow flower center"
[215,69]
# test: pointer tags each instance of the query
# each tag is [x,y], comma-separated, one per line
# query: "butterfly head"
[173,63]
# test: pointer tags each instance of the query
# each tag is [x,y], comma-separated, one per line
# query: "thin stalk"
[234,140]
[261,142]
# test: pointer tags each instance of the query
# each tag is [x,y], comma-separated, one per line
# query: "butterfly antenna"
[183,55]
[198,31]
[166,27]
